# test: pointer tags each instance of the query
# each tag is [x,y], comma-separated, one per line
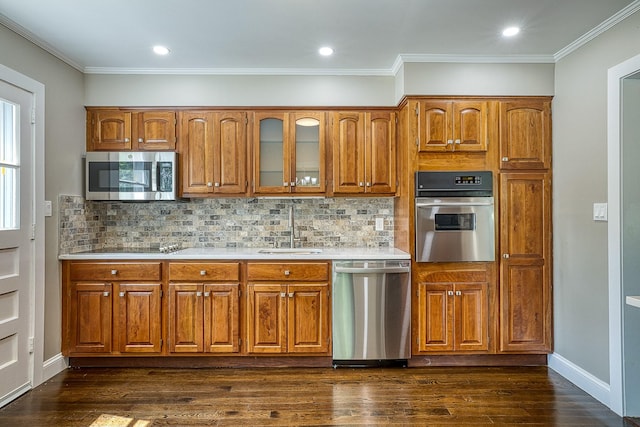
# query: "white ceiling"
[282,36]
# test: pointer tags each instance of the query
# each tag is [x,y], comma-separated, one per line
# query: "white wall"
[64,143]
[244,90]
[581,313]
[478,79]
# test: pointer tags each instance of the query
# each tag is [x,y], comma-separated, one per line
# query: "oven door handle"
[441,203]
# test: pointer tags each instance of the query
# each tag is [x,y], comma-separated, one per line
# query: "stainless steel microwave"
[122,175]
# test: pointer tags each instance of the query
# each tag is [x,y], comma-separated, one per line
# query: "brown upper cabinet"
[127,130]
[445,125]
[525,134]
[364,152]
[213,152]
[289,152]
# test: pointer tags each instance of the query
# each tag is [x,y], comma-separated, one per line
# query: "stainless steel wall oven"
[454,216]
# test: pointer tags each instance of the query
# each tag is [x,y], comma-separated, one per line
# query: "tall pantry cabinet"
[525,226]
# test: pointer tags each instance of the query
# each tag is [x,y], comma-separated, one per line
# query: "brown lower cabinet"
[452,311]
[288,308]
[112,308]
[204,314]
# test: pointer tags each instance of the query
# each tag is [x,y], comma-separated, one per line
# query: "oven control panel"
[468,180]
[454,183]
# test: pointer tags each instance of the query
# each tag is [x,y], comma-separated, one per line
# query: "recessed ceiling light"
[160,50]
[510,31]
[325,51]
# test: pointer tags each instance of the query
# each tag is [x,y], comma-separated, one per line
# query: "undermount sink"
[291,251]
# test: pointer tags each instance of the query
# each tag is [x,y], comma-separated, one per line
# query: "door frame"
[36,316]
[615,77]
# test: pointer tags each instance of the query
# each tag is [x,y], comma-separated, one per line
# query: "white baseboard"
[53,366]
[581,378]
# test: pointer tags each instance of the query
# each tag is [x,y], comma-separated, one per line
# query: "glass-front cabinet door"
[309,133]
[289,154]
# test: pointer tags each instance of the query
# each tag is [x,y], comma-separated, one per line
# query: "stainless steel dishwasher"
[371,311]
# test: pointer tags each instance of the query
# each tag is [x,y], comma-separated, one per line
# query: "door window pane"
[9,167]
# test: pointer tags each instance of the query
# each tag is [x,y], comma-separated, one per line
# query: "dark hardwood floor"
[308,396]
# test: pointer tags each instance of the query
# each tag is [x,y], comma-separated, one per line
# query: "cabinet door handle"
[458,293]
[290,294]
[283,294]
[114,272]
[450,142]
[505,256]
[121,294]
[203,272]
[209,184]
[198,294]
[450,293]
[140,139]
[207,294]
[292,183]
[457,141]
[286,184]
[505,159]
[105,294]
[287,272]
[361,184]
[217,184]
[126,140]
[368,184]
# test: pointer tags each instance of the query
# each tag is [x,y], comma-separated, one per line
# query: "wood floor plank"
[442,396]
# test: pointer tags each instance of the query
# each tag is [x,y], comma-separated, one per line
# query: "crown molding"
[20,30]
[586,38]
[241,71]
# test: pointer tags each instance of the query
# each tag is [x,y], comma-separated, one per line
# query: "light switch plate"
[600,212]
[47,208]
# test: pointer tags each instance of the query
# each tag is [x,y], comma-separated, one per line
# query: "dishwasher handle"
[372,270]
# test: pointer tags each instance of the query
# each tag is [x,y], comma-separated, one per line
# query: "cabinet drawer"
[116,271]
[303,271]
[204,271]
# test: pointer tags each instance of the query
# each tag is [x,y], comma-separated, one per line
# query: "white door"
[16,240]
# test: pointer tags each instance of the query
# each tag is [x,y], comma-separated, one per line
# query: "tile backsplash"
[223,223]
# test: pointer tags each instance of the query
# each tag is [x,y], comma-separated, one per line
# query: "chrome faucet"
[292,228]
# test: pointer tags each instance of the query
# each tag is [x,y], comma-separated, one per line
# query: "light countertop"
[634,301]
[245,254]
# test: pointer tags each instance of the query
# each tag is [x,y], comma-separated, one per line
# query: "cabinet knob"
[126,140]
[361,184]
[458,293]
[450,142]
[203,272]
[140,139]
[368,184]
[207,294]
[457,141]
[505,159]
[105,294]
[287,272]
[290,294]
[209,184]
[292,184]
[285,184]
[114,272]
[121,294]
[217,184]
[283,294]
[450,293]
[198,294]
[505,256]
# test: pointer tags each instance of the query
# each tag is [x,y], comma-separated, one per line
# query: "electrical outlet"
[379,224]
